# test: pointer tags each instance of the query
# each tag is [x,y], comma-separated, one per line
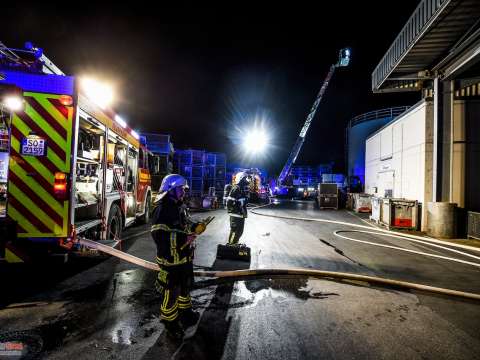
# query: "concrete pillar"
[442,220]
[437,137]
[458,171]
[448,90]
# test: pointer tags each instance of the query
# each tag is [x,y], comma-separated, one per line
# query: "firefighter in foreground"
[174,233]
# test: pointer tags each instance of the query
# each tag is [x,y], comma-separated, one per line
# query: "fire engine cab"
[69,165]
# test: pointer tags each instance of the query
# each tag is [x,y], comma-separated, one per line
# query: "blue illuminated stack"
[305,175]
[191,165]
[159,144]
[215,171]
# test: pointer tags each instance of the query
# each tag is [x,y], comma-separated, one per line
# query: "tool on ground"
[239,252]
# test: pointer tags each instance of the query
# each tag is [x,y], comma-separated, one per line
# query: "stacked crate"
[159,144]
[191,165]
[215,172]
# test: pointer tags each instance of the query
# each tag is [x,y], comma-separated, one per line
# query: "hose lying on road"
[394,235]
[380,231]
[389,233]
[271,272]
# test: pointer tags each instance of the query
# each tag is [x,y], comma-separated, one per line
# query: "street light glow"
[255,141]
[101,94]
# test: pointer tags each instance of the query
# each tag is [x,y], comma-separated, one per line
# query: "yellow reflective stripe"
[38,212]
[45,196]
[176,257]
[170,310]
[39,190]
[41,122]
[167,228]
[164,262]
[184,306]
[11,257]
[165,298]
[42,99]
[25,130]
[171,317]
[24,223]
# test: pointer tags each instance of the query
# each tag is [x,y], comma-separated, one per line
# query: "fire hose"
[236,274]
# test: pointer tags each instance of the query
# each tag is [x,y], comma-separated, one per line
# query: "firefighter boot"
[189,318]
[174,329]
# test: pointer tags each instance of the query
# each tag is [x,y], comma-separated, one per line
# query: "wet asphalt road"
[95,308]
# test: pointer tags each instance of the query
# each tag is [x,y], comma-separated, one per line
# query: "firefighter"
[174,232]
[237,206]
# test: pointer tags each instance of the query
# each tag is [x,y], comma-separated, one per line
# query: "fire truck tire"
[114,225]
[145,218]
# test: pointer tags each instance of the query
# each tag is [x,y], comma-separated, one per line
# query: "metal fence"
[392,112]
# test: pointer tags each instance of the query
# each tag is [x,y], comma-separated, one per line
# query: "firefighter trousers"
[174,284]
[237,225]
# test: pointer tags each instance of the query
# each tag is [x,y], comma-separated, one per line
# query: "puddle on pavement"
[250,292]
[122,334]
[132,289]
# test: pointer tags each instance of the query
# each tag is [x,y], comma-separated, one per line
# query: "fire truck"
[69,165]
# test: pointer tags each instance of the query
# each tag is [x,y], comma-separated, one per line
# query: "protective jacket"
[237,202]
[171,227]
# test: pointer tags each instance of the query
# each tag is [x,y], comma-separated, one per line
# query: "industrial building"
[431,154]
[358,129]
[398,157]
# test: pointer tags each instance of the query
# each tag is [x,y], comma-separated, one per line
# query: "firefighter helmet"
[172,181]
[242,175]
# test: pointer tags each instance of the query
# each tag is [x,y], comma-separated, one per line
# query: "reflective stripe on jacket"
[170,229]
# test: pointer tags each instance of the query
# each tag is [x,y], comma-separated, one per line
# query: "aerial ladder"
[343,60]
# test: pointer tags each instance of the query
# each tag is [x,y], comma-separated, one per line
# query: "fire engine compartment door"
[131,187]
[33,164]
[4,158]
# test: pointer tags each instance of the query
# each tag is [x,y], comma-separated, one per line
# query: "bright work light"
[99,93]
[135,134]
[13,103]
[255,141]
[120,121]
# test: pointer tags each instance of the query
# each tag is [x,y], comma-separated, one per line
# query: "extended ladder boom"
[301,137]
[343,61]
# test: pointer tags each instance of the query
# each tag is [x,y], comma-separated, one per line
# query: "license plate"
[33,145]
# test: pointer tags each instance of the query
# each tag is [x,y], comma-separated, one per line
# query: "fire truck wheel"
[145,218]
[114,223]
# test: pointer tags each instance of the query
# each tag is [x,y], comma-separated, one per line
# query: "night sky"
[200,74]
